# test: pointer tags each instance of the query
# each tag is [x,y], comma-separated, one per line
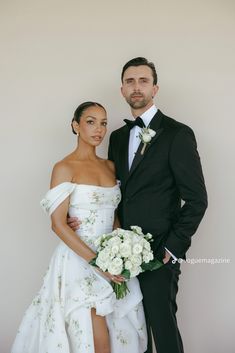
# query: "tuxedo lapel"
[156,121]
[123,157]
[155,125]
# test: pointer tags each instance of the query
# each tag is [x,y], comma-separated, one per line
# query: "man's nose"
[136,86]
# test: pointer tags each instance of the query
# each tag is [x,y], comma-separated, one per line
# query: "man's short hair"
[140,61]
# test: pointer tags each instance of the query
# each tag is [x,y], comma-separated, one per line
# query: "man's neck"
[139,112]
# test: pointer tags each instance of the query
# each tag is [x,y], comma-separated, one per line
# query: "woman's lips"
[96,138]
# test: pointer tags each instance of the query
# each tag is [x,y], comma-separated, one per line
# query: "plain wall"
[56,54]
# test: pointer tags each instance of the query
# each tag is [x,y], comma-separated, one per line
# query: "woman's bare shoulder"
[62,172]
[110,164]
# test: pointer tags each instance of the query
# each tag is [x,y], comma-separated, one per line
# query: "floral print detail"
[60,314]
[76,327]
[87,285]
[97,197]
[50,320]
[91,218]
[37,301]
[116,199]
[45,203]
[122,337]
[77,332]
[59,279]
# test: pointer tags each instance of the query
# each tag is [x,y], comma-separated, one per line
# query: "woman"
[76,310]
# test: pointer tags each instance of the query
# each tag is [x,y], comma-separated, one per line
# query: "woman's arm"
[62,173]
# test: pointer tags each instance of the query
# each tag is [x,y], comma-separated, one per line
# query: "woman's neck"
[85,151]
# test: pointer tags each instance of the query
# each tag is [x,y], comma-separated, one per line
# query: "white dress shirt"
[134,141]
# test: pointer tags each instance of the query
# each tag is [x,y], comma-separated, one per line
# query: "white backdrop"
[56,54]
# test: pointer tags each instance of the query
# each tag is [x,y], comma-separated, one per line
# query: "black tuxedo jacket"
[164,191]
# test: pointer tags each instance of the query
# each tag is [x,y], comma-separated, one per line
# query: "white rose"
[151,132]
[103,264]
[125,249]
[114,240]
[137,229]
[114,249]
[146,137]
[135,271]
[148,236]
[103,255]
[97,241]
[147,245]
[136,238]
[120,231]
[115,267]
[147,257]
[137,249]
[128,265]
[136,260]
[127,239]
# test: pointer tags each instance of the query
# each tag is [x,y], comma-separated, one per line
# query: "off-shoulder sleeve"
[55,196]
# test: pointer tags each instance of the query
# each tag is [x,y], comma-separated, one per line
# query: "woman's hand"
[114,278]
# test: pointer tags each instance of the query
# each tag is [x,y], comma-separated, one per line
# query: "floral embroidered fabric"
[59,319]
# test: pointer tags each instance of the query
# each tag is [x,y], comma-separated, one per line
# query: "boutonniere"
[146,136]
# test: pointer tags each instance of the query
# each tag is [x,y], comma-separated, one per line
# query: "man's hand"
[167,257]
[74,223]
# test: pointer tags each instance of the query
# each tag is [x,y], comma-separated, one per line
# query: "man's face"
[138,88]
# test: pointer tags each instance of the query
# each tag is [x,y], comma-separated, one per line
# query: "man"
[154,181]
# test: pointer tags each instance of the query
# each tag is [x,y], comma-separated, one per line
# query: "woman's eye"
[90,122]
[104,123]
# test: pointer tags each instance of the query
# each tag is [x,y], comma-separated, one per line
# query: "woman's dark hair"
[140,61]
[81,108]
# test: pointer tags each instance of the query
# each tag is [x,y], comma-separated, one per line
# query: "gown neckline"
[96,186]
[89,185]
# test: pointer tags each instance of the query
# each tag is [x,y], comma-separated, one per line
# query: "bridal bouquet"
[126,253]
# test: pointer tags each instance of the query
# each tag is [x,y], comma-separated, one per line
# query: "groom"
[163,192]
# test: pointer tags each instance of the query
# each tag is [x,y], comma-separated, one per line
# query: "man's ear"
[121,89]
[155,90]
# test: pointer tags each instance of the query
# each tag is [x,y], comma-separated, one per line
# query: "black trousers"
[159,290]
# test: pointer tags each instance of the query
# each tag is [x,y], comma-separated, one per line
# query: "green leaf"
[93,262]
[126,274]
[152,265]
[120,290]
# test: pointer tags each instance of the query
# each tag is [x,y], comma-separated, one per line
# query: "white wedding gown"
[59,318]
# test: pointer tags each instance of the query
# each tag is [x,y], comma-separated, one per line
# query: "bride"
[76,310]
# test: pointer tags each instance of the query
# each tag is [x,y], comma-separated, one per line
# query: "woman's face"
[92,126]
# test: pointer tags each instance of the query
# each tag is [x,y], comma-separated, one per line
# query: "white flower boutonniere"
[146,136]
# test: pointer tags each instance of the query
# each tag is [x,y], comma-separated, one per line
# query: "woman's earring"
[77,134]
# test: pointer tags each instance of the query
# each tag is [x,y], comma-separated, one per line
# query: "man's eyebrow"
[129,78]
[140,78]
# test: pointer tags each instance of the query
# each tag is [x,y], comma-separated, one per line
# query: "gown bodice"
[93,205]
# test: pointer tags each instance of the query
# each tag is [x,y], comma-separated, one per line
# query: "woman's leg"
[100,333]
[87,332]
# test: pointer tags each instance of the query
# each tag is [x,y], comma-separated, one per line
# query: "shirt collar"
[148,115]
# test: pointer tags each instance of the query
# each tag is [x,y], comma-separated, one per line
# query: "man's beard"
[139,103]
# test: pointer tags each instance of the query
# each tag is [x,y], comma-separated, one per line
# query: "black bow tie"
[137,122]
